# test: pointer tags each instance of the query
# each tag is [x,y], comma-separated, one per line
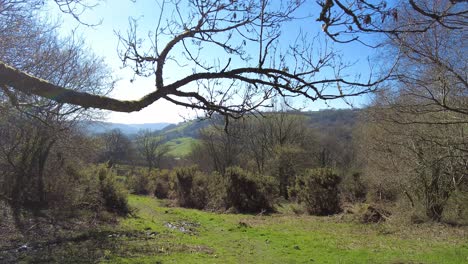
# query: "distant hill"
[321,120]
[181,147]
[190,129]
[97,127]
[325,119]
[181,137]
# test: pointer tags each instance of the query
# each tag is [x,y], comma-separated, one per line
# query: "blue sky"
[115,17]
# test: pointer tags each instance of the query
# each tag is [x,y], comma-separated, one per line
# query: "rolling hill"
[98,127]
[181,137]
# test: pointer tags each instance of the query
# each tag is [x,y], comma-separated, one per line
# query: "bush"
[161,189]
[353,189]
[249,193]
[289,161]
[155,182]
[189,186]
[113,194]
[69,191]
[141,182]
[318,190]
[236,189]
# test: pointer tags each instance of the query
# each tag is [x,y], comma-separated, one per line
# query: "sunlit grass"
[181,147]
[231,238]
[160,234]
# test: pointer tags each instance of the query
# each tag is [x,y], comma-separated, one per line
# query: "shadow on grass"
[97,246]
[88,247]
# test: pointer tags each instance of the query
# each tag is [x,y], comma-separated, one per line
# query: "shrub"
[161,189]
[236,189]
[155,182]
[289,161]
[249,193]
[113,194]
[67,190]
[141,182]
[353,189]
[216,187]
[318,190]
[189,186]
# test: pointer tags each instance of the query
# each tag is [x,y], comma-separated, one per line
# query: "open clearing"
[160,234]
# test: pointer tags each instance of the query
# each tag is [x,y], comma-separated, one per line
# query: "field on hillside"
[181,147]
[161,234]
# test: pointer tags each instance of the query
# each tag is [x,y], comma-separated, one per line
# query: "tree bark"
[29,84]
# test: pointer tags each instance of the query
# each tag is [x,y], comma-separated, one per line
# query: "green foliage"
[238,238]
[162,185]
[249,193]
[217,190]
[237,190]
[113,194]
[353,188]
[189,186]
[181,147]
[288,162]
[95,188]
[318,190]
[141,182]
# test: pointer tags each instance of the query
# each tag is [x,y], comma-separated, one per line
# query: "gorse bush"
[216,188]
[318,190]
[113,194]
[288,162]
[97,189]
[189,186]
[141,182]
[154,182]
[236,189]
[249,193]
[162,185]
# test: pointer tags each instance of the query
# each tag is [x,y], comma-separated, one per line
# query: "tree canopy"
[250,66]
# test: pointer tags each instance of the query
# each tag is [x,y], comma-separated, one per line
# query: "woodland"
[255,177]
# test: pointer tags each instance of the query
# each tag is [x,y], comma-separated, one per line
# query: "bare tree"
[418,125]
[425,37]
[151,147]
[351,20]
[264,136]
[269,145]
[36,141]
[235,27]
[224,149]
[34,46]
[425,162]
[431,75]
[116,147]
[253,67]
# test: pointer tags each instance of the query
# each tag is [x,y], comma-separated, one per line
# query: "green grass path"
[230,238]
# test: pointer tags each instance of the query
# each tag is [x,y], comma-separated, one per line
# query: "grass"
[179,127]
[160,234]
[231,238]
[181,147]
